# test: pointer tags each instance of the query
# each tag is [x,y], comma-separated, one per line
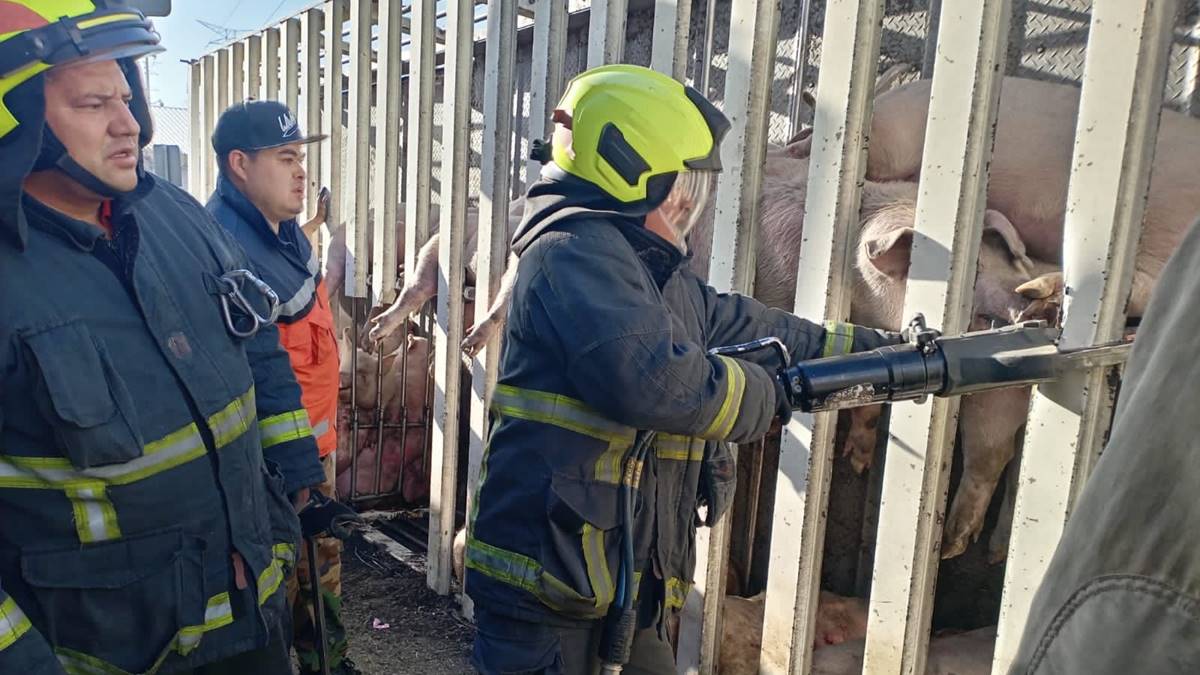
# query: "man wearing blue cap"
[259,194]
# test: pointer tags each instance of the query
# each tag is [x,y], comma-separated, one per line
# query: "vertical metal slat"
[270,80]
[606,32]
[310,113]
[456,135]
[549,49]
[850,53]
[358,175]
[972,43]
[210,122]
[754,27]
[237,73]
[668,49]
[492,240]
[254,67]
[418,174]
[197,162]
[290,55]
[386,194]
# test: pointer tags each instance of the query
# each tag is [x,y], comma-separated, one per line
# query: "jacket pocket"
[84,397]
[285,524]
[586,534]
[300,341]
[123,602]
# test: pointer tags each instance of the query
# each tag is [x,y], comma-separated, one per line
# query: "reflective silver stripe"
[95,517]
[284,427]
[13,623]
[321,428]
[300,300]
[269,581]
[234,420]
[179,448]
[839,338]
[560,411]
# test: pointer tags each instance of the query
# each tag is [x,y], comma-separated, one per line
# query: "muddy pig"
[1029,174]
[1030,169]
[967,653]
[988,421]
[839,620]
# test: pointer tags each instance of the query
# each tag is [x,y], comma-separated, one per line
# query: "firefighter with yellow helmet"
[154,451]
[582,539]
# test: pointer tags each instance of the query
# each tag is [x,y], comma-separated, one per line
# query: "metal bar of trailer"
[386,192]
[310,78]
[606,32]
[222,81]
[1119,111]
[964,99]
[456,138]
[850,54]
[237,72]
[500,66]
[270,80]
[549,49]
[418,175]
[289,54]
[754,27]
[254,67]
[210,121]
[668,49]
[196,165]
[358,169]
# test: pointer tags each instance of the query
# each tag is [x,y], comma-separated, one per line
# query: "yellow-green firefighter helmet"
[631,124]
[36,35]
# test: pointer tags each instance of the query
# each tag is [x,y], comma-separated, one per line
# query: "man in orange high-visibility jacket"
[260,191]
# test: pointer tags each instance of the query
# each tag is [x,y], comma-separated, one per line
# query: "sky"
[185,38]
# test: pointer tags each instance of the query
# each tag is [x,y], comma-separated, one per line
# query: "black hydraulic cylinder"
[1005,357]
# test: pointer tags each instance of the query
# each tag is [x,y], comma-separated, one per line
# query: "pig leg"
[478,337]
[418,289]
[862,437]
[998,543]
[989,424]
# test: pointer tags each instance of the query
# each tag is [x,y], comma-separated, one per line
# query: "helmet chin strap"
[54,155]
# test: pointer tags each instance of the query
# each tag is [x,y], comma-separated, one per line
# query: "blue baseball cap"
[258,125]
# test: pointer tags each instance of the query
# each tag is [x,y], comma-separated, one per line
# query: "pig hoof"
[958,536]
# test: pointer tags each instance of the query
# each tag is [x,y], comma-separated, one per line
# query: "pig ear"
[994,221]
[890,251]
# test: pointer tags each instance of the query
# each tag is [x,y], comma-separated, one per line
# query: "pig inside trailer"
[878,253]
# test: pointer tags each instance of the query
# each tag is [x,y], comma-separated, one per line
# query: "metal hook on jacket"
[232,283]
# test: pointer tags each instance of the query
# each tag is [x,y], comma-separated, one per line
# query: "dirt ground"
[426,632]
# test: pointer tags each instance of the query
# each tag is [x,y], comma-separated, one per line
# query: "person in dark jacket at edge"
[607,334]
[260,191]
[146,526]
[1121,593]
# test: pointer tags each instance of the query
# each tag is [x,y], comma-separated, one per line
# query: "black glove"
[783,405]
[322,516]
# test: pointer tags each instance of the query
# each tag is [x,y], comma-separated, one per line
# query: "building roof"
[172,126]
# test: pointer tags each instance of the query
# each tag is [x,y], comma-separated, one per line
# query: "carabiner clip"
[233,283]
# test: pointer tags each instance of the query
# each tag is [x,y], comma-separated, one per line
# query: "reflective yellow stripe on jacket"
[95,518]
[13,623]
[839,338]
[217,614]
